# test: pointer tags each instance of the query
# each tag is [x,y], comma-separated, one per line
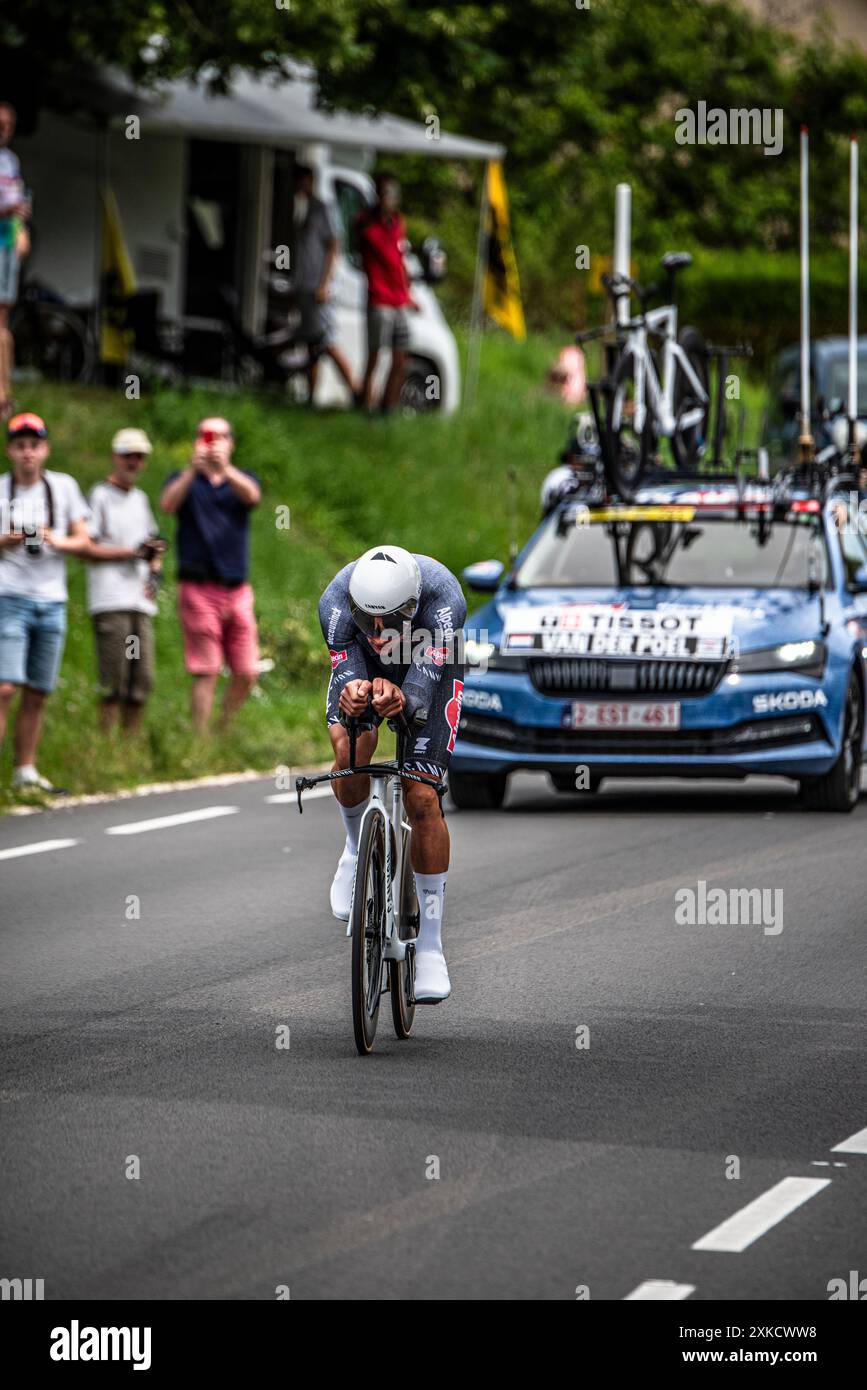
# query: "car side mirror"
[434,260]
[484,575]
[859,583]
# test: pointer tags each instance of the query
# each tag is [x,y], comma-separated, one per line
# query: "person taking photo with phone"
[212,500]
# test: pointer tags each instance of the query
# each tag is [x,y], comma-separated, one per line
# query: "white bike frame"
[395,948]
[663,322]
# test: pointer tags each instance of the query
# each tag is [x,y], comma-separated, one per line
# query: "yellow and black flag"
[502,289]
[118,283]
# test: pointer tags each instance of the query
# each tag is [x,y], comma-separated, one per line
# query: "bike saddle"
[676,260]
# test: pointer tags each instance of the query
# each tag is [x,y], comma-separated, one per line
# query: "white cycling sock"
[352,821]
[431,890]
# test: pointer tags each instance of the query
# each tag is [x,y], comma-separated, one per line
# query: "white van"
[433,375]
[197,215]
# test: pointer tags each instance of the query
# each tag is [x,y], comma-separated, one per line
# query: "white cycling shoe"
[432,983]
[342,885]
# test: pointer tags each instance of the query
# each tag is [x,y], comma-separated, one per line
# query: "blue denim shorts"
[9,264]
[32,635]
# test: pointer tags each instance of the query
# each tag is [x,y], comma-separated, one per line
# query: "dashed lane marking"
[279,798]
[659,1290]
[39,847]
[753,1220]
[138,827]
[855,1144]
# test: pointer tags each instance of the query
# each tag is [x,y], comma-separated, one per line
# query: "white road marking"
[855,1144]
[280,798]
[752,1221]
[137,827]
[39,847]
[657,1290]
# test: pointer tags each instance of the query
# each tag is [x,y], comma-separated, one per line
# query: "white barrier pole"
[622,242]
[853,295]
[806,440]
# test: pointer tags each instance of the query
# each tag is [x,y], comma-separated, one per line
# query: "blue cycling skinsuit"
[426,662]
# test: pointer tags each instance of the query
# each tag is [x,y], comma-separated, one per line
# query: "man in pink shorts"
[212,501]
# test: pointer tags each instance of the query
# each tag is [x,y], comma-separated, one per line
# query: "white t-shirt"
[41,576]
[119,518]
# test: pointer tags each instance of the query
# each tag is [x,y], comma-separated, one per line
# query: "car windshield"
[837,388]
[715,551]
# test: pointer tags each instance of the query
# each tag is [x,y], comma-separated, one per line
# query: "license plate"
[619,714]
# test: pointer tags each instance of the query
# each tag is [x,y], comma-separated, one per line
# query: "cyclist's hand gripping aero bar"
[398,724]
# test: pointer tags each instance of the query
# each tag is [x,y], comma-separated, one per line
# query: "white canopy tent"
[260,111]
[74,154]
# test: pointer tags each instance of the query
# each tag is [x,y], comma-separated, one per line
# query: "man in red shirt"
[380,238]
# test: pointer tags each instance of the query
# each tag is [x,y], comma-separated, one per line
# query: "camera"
[32,541]
[151,548]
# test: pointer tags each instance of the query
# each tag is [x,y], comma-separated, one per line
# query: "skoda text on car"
[694,633]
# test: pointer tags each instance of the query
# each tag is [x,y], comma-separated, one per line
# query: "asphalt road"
[559,1166]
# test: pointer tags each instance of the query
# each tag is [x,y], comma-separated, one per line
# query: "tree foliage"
[582,98]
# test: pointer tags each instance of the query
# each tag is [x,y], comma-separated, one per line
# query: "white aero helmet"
[385,584]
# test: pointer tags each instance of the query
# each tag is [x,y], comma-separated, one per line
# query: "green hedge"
[755,297]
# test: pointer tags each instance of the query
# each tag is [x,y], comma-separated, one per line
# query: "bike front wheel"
[367,919]
[401,973]
[629,450]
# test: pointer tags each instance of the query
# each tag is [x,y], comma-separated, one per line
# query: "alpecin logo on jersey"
[453,711]
[336,658]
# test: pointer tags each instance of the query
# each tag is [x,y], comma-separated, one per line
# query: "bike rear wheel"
[629,452]
[367,918]
[688,442]
[51,340]
[401,974]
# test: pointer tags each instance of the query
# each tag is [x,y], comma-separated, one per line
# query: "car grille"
[736,739]
[575,676]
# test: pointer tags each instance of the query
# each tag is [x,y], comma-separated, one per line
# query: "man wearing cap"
[122,583]
[212,500]
[43,517]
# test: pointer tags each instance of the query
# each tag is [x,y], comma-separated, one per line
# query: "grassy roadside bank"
[433,485]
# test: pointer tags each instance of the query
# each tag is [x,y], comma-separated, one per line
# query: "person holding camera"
[212,500]
[43,518]
[122,583]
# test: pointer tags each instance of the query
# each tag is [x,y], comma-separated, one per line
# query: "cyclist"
[392,622]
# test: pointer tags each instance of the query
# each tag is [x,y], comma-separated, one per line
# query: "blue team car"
[696,632]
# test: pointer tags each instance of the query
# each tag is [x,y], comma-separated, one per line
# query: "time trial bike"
[384,916]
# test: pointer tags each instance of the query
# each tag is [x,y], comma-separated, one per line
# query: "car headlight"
[478,653]
[807,658]
[486,656]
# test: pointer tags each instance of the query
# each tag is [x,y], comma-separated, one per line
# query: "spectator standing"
[212,500]
[122,582]
[14,211]
[312,255]
[380,240]
[43,517]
